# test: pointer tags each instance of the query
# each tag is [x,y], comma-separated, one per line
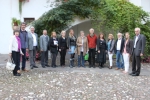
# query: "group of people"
[24,41]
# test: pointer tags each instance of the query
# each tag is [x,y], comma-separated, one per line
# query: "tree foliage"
[121,16]
[107,16]
[60,17]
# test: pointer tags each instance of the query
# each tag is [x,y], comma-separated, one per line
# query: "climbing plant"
[121,16]
[60,17]
[106,15]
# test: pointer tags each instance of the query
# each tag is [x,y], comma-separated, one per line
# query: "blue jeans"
[72,49]
[81,60]
[119,60]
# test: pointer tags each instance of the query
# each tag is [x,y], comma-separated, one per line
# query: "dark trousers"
[23,59]
[62,56]
[32,54]
[44,58]
[136,64]
[92,56]
[16,59]
[53,56]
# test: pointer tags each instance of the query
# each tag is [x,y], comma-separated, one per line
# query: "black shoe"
[18,74]
[100,67]
[131,73]
[35,66]
[31,67]
[135,74]
[71,66]
[47,65]
[94,66]
[43,66]
[53,66]
[90,66]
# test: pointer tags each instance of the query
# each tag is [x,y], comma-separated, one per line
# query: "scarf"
[19,44]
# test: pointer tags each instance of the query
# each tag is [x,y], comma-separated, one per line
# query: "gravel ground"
[73,84]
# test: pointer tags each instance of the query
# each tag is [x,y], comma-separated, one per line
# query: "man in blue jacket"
[23,38]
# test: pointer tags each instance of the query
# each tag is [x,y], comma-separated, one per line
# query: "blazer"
[23,39]
[140,45]
[54,48]
[71,42]
[44,42]
[112,45]
[13,46]
[129,46]
[122,45]
[60,43]
[85,45]
[30,41]
[101,45]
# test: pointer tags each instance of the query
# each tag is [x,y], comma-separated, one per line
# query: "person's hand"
[57,45]
[27,50]
[10,54]
[41,50]
[110,52]
[22,54]
[59,49]
[141,54]
[98,51]
[106,51]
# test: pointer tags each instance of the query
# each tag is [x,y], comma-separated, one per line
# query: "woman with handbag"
[101,50]
[62,48]
[72,45]
[53,44]
[15,51]
[82,48]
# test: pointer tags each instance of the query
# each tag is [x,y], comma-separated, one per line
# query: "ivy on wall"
[121,16]
[106,15]
[60,17]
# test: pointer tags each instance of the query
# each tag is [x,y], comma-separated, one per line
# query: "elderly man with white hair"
[139,43]
[119,45]
[92,41]
[32,46]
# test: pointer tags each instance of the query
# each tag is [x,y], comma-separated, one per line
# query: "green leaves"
[59,18]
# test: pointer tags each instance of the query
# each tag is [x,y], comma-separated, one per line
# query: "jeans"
[72,49]
[110,59]
[23,59]
[119,59]
[81,60]
[126,61]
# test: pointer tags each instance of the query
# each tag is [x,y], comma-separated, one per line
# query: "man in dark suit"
[137,52]
[119,45]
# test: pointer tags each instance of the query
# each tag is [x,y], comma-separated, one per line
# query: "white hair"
[138,29]
[32,27]
[119,34]
[63,32]
[91,29]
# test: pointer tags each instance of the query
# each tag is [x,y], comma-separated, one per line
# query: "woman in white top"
[15,51]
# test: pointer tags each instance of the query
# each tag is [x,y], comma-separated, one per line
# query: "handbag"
[10,65]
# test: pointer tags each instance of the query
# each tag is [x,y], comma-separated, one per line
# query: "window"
[28,20]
